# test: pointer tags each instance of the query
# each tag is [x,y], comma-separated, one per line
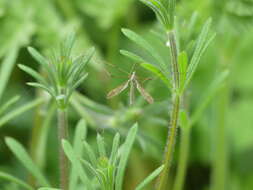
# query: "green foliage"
[152,176]
[164,10]
[20,152]
[20,110]
[109,171]
[64,72]
[15,180]
[125,151]
[215,111]
[202,43]
[162,69]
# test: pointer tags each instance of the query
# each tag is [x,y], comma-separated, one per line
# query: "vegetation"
[83,128]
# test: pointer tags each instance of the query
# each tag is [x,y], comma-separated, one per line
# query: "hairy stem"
[63,161]
[183,158]
[172,131]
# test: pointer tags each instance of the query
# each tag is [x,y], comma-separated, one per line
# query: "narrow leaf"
[146,46]
[132,56]
[33,73]
[148,179]
[6,69]
[37,56]
[15,180]
[158,73]
[199,50]
[38,85]
[90,153]
[115,146]
[7,117]
[19,151]
[160,11]
[126,148]
[101,146]
[9,103]
[75,161]
[80,135]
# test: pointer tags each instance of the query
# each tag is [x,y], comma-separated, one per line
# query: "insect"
[133,83]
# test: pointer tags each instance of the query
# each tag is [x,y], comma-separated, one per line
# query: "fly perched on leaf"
[133,83]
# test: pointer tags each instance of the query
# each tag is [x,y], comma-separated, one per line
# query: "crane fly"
[133,83]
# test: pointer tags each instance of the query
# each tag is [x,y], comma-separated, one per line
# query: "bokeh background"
[223,133]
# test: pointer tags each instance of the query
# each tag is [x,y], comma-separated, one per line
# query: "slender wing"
[144,93]
[117,90]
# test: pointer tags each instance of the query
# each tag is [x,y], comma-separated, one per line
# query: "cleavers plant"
[109,170]
[178,73]
[63,75]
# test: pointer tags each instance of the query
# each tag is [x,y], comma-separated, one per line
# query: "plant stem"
[172,131]
[63,134]
[183,158]
[220,162]
[220,170]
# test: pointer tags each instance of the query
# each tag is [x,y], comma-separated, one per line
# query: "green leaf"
[94,171]
[101,146]
[172,6]
[37,56]
[157,72]
[41,86]
[9,103]
[19,151]
[182,63]
[80,135]
[147,66]
[6,69]
[115,146]
[160,11]
[77,83]
[148,47]
[79,64]
[201,46]
[148,179]
[15,180]
[132,56]
[75,161]
[125,151]
[48,188]
[7,117]
[33,73]
[90,153]
[42,61]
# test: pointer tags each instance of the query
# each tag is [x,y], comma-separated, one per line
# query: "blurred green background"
[227,121]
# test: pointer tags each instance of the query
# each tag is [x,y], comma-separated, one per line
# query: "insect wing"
[117,90]
[144,93]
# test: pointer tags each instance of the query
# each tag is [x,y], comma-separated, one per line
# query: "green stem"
[220,169]
[63,160]
[220,163]
[172,132]
[183,158]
